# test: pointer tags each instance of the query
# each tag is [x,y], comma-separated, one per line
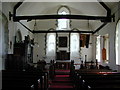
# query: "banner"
[84,40]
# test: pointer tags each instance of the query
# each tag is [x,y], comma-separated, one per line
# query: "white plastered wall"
[47,24]
[110,29]
[12,28]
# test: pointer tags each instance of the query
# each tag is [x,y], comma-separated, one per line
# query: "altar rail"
[62,64]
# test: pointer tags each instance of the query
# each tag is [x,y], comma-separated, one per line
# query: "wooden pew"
[16,80]
[52,69]
[99,79]
[104,81]
[95,78]
[28,80]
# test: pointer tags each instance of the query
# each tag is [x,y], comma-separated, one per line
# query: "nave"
[97,78]
[37,80]
[62,79]
[39,40]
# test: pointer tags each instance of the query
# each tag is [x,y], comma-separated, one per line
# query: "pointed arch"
[63,24]
[18,36]
[63,9]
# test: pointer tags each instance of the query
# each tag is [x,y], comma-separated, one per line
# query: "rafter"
[26,27]
[61,31]
[99,28]
[107,9]
[78,17]
[56,31]
[104,19]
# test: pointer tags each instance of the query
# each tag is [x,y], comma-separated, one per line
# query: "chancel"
[59,45]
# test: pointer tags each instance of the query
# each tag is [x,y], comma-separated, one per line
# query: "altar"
[63,64]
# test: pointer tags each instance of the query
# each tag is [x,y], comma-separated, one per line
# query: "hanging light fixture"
[89,26]
[35,25]
[35,28]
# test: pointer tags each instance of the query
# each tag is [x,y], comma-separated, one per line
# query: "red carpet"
[62,75]
[61,81]
[62,72]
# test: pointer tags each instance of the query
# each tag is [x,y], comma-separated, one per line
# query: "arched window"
[51,42]
[117,43]
[74,42]
[98,49]
[74,47]
[63,24]
[51,46]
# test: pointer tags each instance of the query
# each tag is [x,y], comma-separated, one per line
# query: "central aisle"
[62,81]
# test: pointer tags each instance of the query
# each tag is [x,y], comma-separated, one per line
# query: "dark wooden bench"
[93,80]
[28,80]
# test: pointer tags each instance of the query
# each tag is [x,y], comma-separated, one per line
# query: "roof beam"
[55,31]
[42,17]
[108,15]
[62,31]
[104,19]
[15,9]
[99,28]
[107,9]
[26,27]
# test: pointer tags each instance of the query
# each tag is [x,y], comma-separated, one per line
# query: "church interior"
[65,45]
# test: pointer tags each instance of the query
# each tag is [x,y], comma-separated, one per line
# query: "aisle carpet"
[62,81]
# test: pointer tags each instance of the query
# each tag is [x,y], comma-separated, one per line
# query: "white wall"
[110,29]
[1,41]
[42,8]
[6,7]
[39,47]
[47,24]
[4,38]
[88,52]
[51,8]
[118,18]
[23,30]
[12,28]
[0,48]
